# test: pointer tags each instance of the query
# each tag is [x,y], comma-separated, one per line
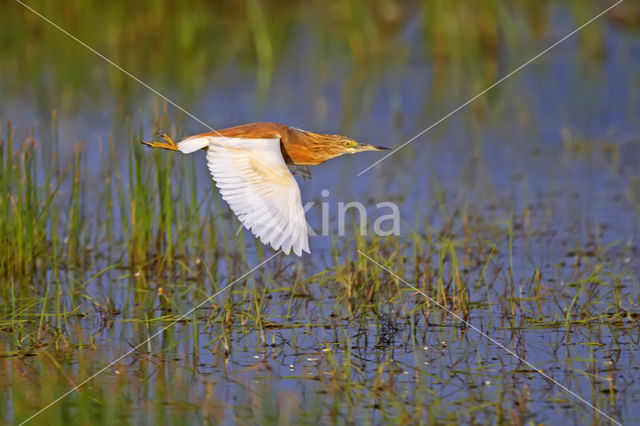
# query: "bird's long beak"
[365,147]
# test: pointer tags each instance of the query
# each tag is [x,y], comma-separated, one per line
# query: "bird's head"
[315,148]
[349,146]
[332,146]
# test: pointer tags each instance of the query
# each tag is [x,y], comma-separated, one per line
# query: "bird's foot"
[166,143]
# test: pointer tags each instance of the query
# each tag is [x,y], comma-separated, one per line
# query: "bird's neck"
[302,148]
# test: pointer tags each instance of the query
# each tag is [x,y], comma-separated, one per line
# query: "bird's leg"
[301,171]
[167,143]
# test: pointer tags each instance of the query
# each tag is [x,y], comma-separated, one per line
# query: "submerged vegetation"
[531,238]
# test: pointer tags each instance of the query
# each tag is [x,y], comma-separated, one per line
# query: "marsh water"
[518,216]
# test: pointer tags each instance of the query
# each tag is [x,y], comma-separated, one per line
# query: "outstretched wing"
[253,178]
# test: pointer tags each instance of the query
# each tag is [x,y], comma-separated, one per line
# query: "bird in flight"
[252,167]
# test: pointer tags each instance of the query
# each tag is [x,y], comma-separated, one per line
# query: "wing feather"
[253,178]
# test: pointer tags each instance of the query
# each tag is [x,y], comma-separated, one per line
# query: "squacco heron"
[249,166]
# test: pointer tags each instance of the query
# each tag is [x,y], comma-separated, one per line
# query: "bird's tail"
[192,144]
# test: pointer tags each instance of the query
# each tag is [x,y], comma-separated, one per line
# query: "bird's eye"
[350,144]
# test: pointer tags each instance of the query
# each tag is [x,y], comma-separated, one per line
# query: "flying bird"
[252,167]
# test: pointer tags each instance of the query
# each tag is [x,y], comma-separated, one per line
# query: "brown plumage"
[299,147]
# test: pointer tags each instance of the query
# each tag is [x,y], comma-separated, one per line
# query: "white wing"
[253,178]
